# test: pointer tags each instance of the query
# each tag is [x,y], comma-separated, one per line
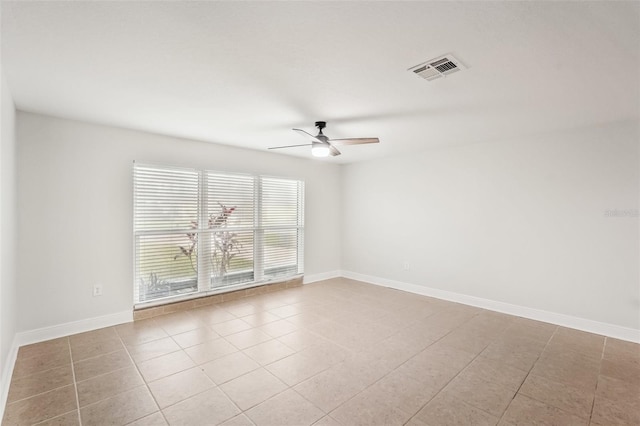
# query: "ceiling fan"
[322,146]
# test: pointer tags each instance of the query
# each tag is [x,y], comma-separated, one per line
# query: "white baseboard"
[308,279]
[74,327]
[605,329]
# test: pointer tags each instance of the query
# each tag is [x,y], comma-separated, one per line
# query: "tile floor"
[338,352]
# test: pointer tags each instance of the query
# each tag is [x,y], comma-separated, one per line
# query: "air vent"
[438,67]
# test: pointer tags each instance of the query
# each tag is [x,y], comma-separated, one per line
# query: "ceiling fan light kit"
[319,149]
[322,146]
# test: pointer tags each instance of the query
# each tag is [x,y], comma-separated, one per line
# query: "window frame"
[203,278]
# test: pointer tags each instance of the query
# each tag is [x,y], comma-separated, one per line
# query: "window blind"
[281,220]
[230,208]
[201,231]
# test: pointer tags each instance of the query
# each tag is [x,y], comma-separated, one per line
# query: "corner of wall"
[8,238]
[7,372]
[308,279]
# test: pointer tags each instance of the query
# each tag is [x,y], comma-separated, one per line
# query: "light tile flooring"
[338,352]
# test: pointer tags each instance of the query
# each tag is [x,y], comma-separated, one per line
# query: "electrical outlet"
[405,265]
[97,290]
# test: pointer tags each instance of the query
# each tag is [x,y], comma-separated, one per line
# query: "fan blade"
[289,146]
[305,134]
[333,151]
[353,141]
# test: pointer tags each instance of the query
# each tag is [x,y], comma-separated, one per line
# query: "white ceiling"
[245,73]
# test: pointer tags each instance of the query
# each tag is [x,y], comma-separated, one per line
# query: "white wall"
[520,222]
[8,222]
[75,204]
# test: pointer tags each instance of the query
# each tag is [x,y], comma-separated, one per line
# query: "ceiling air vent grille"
[438,67]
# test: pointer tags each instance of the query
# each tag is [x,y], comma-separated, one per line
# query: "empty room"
[283,213]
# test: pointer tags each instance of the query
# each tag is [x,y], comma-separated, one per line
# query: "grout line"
[38,393]
[249,372]
[75,384]
[53,418]
[529,372]
[189,397]
[476,357]
[104,374]
[415,355]
[233,402]
[96,356]
[142,377]
[595,390]
[538,358]
[453,378]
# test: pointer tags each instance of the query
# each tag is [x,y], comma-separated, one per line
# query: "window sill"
[199,300]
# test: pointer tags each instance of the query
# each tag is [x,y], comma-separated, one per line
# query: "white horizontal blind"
[281,225]
[230,209]
[164,218]
[197,231]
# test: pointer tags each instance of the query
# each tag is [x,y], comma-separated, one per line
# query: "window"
[201,232]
